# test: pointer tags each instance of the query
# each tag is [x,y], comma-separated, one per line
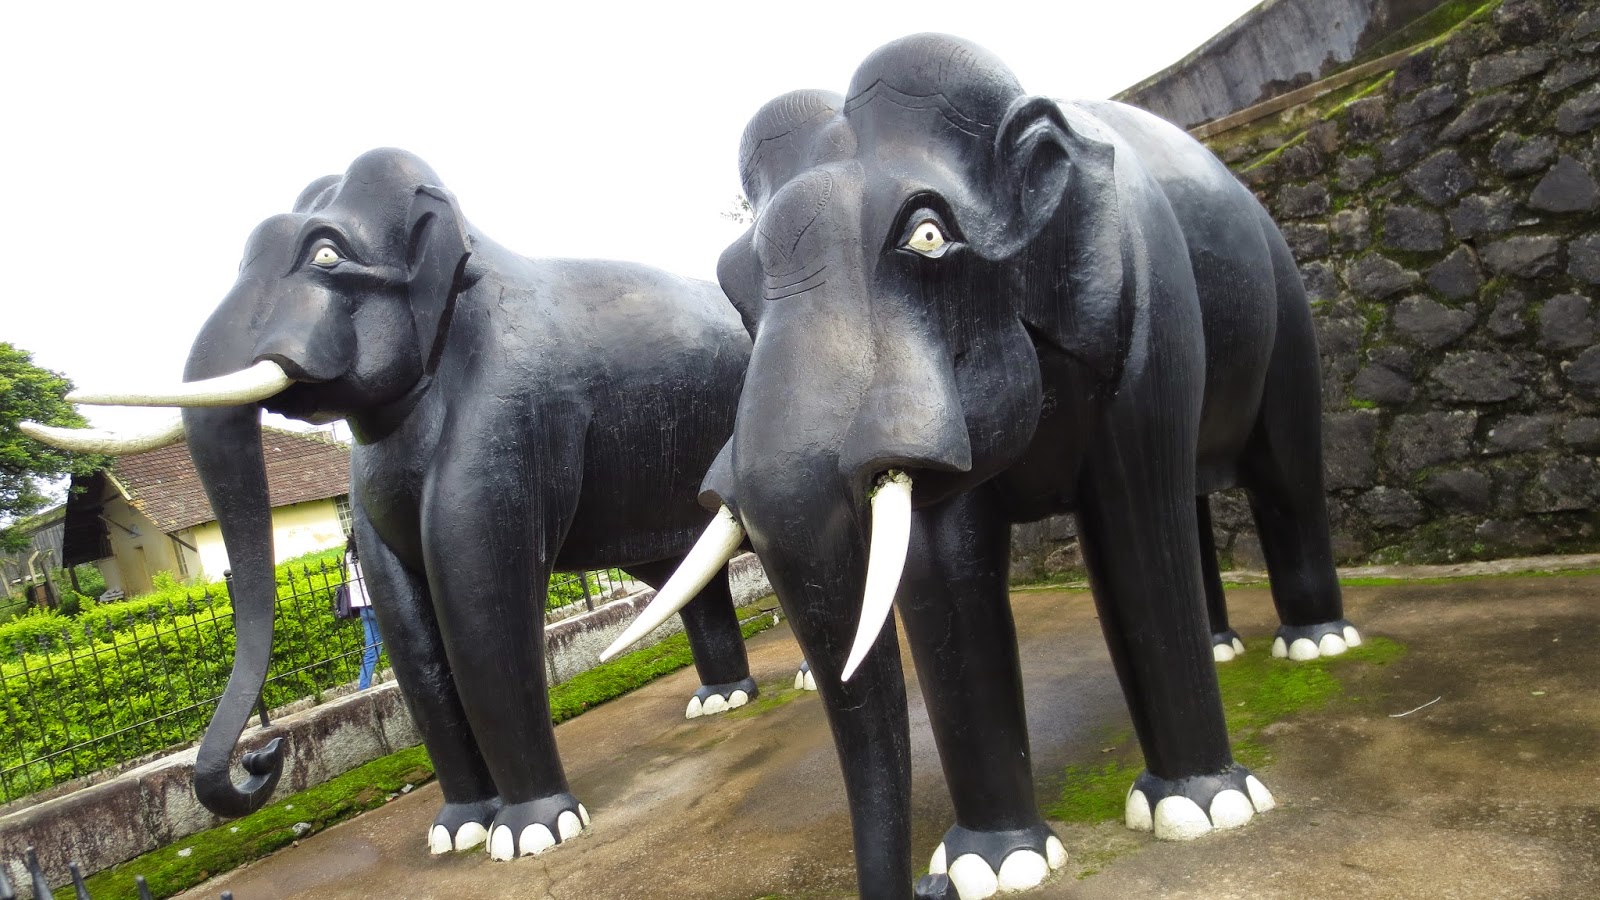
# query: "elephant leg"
[493,513]
[416,651]
[1225,642]
[1137,519]
[712,627]
[1283,476]
[957,613]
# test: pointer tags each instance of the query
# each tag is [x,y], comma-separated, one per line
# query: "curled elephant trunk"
[226,446]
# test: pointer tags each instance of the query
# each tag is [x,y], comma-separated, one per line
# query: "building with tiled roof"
[148,513]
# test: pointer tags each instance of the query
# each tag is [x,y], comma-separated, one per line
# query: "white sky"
[143,141]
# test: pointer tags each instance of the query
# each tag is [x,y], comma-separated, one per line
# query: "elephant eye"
[927,239]
[326,256]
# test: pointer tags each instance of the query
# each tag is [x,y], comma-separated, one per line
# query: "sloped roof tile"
[301,467]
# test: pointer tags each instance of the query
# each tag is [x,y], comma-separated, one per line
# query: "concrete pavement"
[1494,791]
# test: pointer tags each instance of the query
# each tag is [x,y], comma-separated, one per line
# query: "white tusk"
[891,534]
[95,440]
[260,381]
[715,548]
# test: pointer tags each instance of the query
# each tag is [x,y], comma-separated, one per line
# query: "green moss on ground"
[1257,691]
[199,856]
[193,859]
[769,700]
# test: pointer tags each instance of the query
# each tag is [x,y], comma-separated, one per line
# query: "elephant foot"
[714,698]
[978,864]
[531,828]
[1303,642]
[803,679]
[1225,645]
[461,826]
[1186,808]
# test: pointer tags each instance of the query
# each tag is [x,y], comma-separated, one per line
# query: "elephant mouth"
[890,502]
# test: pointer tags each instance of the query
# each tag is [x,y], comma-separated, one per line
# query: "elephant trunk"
[226,446]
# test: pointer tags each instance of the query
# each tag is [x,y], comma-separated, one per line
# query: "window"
[347,519]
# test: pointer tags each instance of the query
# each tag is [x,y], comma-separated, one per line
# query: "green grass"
[197,857]
[1081,586]
[171,869]
[1257,691]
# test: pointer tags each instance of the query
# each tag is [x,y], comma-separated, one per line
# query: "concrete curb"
[153,805]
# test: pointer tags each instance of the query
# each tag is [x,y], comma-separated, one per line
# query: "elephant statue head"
[340,310]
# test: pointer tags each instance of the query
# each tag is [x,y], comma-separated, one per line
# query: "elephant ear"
[437,250]
[1065,229]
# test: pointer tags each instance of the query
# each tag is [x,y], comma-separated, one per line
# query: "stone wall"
[1276,47]
[1446,217]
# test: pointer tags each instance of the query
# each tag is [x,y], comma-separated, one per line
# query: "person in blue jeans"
[361,602]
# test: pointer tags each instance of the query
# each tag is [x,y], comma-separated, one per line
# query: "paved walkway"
[1494,791]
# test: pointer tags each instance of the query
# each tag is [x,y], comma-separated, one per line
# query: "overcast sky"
[143,141]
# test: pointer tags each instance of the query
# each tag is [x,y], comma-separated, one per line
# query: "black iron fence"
[130,679]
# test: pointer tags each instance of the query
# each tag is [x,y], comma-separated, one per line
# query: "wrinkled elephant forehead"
[931,84]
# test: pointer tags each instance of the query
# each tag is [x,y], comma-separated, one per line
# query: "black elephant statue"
[973,307]
[512,417]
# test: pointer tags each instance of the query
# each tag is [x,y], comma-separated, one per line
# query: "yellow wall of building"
[297,529]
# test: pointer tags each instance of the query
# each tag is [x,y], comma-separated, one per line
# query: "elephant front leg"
[957,613]
[712,626]
[491,529]
[1137,519]
[416,651]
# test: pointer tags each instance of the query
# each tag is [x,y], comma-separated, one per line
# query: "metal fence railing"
[129,679]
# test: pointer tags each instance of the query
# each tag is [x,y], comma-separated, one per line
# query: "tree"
[28,392]
[740,212]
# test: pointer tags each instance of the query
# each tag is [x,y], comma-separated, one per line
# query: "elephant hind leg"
[1283,475]
[1225,642]
[712,626]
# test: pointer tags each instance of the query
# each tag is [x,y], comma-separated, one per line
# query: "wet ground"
[1493,791]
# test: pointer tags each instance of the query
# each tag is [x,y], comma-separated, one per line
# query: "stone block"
[1507,320]
[1483,113]
[1583,258]
[1569,73]
[1483,214]
[1320,280]
[1567,187]
[1564,485]
[1366,119]
[1306,241]
[1583,374]
[1350,229]
[1502,69]
[1350,445]
[1381,384]
[1411,228]
[1579,114]
[96,827]
[1441,177]
[1419,440]
[1356,171]
[1478,376]
[1520,434]
[1564,323]
[1430,323]
[1377,277]
[1435,101]
[1524,256]
[1413,73]
[1515,155]
[1458,491]
[1299,201]
[1400,152]
[1523,21]
[1457,276]
[1388,507]
[1582,435]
